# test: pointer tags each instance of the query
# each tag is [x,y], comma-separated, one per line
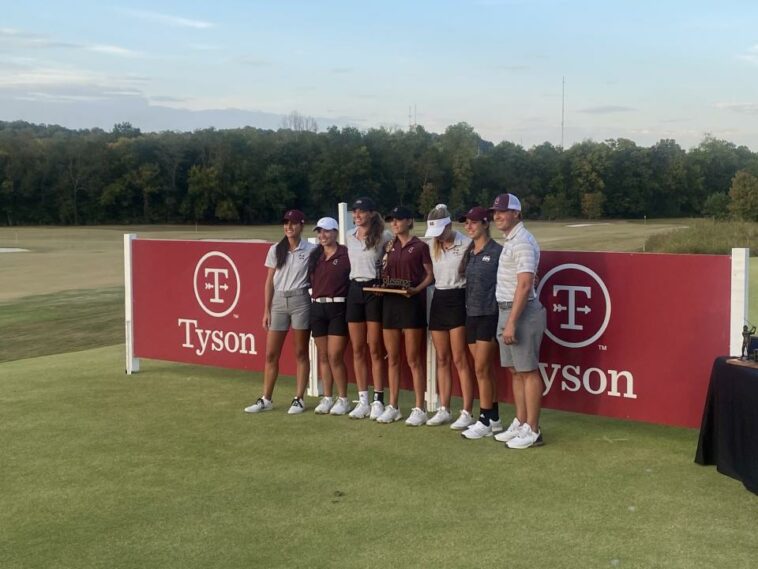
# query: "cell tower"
[412,119]
[563,108]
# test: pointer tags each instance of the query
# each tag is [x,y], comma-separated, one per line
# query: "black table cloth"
[729,430]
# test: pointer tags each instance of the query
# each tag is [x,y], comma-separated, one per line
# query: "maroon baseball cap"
[504,202]
[294,215]
[476,213]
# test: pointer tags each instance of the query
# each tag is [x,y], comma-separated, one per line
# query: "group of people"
[484,299]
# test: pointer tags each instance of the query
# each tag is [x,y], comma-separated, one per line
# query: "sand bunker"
[586,224]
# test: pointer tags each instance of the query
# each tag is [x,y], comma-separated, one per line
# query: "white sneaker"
[463,422]
[377,408]
[496,426]
[297,406]
[340,407]
[526,438]
[417,417]
[262,404]
[390,415]
[441,417]
[477,431]
[324,405]
[360,411]
[510,433]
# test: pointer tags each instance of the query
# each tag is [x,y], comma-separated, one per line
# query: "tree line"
[53,175]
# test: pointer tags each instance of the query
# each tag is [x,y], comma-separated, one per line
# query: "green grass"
[162,469]
[61,322]
[706,236]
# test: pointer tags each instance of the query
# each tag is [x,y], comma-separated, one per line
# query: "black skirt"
[448,309]
[399,312]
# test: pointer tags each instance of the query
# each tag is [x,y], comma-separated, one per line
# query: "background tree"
[592,205]
[744,196]
[716,206]
[50,174]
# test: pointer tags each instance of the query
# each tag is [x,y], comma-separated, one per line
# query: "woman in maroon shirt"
[408,265]
[329,268]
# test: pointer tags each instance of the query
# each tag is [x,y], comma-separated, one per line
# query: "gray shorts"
[524,354]
[294,310]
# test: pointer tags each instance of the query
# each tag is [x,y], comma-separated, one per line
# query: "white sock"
[363,397]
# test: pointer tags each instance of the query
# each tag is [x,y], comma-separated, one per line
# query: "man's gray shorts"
[290,308]
[530,327]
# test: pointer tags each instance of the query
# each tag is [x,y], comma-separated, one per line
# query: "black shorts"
[448,309]
[363,306]
[328,319]
[481,328]
[401,312]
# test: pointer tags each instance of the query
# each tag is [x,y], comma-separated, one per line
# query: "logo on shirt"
[486,259]
[578,305]
[216,284]
[335,262]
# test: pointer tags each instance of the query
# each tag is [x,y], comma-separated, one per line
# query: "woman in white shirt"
[287,305]
[447,317]
[365,247]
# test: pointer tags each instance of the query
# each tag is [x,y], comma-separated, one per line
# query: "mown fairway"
[162,469]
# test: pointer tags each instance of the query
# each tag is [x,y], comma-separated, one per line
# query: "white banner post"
[739,300]
[432,400]
[132,363]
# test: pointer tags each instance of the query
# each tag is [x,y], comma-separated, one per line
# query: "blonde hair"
[439,211]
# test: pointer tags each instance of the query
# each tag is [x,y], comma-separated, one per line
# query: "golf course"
[162,469]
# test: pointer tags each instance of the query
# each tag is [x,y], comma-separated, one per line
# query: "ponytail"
[375,230]
[315,255]
[387,248]
[465,259]
[282,248]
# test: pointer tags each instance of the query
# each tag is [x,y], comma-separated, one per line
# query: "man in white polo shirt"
[521,321]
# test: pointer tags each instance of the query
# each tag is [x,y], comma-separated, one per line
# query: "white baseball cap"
[328,223]
[435,227]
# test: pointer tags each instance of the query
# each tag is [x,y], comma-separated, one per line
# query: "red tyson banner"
[629,335]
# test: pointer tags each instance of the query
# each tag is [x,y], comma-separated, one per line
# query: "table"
[729,430]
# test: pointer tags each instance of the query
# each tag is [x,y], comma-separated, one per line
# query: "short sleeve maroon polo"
[331,276]
[407,262]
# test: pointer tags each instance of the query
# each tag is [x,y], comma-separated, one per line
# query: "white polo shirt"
[365,263]
[446,275]
[294,273]
[520,254]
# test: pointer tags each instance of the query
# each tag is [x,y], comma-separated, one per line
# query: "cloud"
[13,39]
[42,78]
[113,50]
[606,110]
[167,99]
[751,55]
[742,108]
[252,61]
[169,20]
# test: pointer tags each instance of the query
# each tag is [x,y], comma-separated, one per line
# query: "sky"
[633,69]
